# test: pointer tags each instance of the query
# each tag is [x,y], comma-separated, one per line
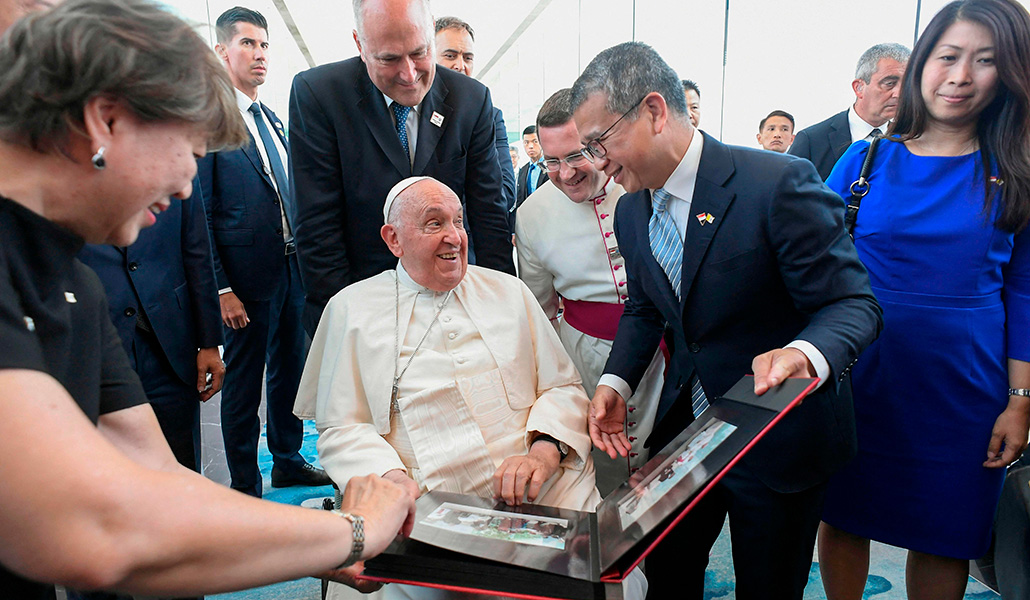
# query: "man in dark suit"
[361,125]
[764,278]
[877,85]
[164,302]
[455,50]
[532,174]
[246,193]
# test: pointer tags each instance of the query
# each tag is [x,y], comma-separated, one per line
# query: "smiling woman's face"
[960,77]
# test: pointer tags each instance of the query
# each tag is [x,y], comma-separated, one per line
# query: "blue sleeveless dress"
[955,293]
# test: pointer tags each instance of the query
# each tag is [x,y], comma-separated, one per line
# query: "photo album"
[482,545]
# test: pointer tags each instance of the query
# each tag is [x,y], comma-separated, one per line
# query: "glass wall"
[748,56]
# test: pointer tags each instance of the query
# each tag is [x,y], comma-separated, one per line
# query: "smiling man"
[877,85]
[739,259]
[361,125]
[485,400]
[567,248]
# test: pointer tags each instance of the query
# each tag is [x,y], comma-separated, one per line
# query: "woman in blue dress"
[941,397]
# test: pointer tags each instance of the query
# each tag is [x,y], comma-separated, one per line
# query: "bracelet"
[357,544]
[1019,392]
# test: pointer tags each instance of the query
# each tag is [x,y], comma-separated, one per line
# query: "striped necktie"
[667,248]
[666,244]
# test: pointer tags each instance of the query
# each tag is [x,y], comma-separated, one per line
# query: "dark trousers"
[772,535]
[176,404]
[274,337]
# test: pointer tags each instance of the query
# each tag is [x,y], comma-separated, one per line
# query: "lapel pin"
[70,297]
[30,324]
[705,218]
[436,119]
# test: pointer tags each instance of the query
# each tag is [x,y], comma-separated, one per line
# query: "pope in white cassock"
[565,238]
[445,376]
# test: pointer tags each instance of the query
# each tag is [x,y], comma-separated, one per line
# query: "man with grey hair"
[877,85]
[739,259]
[567,249]
[361,125]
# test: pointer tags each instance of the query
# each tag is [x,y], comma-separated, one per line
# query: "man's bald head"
[425,230]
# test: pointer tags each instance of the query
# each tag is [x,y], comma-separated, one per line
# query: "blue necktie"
[401,112]
[666,244]
[667,248]
[531,177]
[274,160]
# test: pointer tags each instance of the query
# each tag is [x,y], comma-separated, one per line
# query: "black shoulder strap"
[860,188]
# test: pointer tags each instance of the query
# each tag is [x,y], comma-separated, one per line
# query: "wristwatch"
[357,544]
[1019,392]
[563,448]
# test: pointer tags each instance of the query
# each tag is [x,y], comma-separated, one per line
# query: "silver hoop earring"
[98,159]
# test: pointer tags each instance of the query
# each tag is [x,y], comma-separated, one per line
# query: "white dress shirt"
[860,130]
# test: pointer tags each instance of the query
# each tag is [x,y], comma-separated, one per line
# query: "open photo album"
[481,545]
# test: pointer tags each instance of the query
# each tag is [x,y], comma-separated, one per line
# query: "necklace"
[397,371]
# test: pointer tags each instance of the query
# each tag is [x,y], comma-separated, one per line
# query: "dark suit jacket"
[245,219]
[504,160]
[167,272]
[775,265]
[346,156]
[522,189]
[823,143]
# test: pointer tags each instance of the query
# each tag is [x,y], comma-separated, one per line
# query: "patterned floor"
[886,580]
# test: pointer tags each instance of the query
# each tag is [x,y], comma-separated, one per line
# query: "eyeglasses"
[594,150]
[574,160]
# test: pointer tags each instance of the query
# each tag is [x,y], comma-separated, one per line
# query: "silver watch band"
[1019,392]
[357,544]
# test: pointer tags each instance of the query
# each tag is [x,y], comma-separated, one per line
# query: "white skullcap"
[396,191]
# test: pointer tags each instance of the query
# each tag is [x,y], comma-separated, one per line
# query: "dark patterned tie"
[401,112]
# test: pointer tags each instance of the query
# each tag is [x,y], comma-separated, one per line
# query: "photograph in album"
[533,551]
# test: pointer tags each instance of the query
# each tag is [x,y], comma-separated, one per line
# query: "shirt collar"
[243,101]
[681,182]
[860,130]
[408,282]
[389,103]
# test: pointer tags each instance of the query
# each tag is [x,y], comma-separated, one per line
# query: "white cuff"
[822,368]
[616,383]
[224,291]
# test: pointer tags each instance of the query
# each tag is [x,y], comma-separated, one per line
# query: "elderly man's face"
[429,236]
[397,49]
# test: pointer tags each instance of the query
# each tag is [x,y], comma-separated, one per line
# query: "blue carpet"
[886,564]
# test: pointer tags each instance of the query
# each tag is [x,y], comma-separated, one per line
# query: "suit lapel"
[277,125]
[429,133]
[711,198]
[373,109]
[840,136]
